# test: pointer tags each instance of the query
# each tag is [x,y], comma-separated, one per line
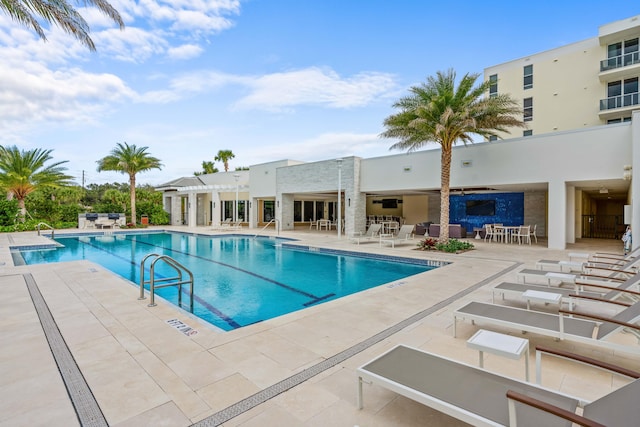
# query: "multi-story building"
[583,84]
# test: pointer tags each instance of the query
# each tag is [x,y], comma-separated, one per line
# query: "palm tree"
[437,111]
[207,168]
[58,12]
[131,160]
[23,172]
[224,156]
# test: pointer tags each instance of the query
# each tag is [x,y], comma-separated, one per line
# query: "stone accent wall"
[321,177]
[535,211]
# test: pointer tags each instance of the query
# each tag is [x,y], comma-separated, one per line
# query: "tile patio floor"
[143,372]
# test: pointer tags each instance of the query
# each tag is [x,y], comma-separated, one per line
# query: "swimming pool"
[239,280]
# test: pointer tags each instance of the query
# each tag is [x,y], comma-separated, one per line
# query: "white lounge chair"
[612,293]
[591,266]
[372,234]
[570,325]
[479,397]
[555,278]
[405,235]
[604,256]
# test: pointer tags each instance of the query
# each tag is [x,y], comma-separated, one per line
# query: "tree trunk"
[132,193]
[23,210]
[445,176]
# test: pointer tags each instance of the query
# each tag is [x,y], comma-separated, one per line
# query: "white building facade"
[570,173]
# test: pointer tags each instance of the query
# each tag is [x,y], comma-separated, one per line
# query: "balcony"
[620,61]
[616,106]
[619,101]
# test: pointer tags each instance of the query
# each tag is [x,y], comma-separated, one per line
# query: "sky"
[269,80]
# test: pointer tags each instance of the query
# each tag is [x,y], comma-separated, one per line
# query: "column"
[557,216]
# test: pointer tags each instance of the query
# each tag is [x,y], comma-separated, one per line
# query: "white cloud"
[315,86]
[131,45]
[185,51]
[36,94]
[280,91]
[192,20]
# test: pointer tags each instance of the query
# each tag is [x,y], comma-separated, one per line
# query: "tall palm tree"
[22,172]
[224,156]
[438,111]
[60,13]
[130,160]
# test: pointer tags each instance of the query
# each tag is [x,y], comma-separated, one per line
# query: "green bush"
[159,217]
[454,245]
[8,212]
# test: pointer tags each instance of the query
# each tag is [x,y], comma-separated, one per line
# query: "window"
[226,209]
[630,52]
[528,76]
[527,132]
[297,210]
[614,50]
[268,210]
[241,211]
[622,93]
[630,92]
[493,85]
[621,54]
[528,109]
[319,210]
[308,210]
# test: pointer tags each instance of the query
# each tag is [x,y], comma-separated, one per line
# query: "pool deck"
[126,366]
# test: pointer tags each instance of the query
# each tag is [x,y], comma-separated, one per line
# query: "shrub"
[427,244]
[454,245]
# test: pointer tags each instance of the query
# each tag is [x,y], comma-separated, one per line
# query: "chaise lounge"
[372,233]
[570,325]
[482,398]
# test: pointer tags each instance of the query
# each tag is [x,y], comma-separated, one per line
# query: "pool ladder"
[178,280]
[268,224]
[47,226]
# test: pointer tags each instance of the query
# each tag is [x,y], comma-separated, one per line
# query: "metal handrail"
[168,281]
[268,224]
[50,227]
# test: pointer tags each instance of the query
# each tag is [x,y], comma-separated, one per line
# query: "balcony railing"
[619,101]
[620,61]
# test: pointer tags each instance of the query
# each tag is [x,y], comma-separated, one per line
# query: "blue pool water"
[239,280]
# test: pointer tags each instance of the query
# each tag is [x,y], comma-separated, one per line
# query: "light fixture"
[604,190]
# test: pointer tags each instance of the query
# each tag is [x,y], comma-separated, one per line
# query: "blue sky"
[268,79]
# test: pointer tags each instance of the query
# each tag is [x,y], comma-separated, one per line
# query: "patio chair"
[405,235]
[522,234]
[569,325]
[610,293]
[372,233]
[564,266]
[483,398]
[555,278]
[605,256]
[532,233]
[489,232]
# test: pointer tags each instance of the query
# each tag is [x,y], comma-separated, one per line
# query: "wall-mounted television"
[481,207]
[389,203]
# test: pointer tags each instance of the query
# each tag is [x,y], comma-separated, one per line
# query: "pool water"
[238,280]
